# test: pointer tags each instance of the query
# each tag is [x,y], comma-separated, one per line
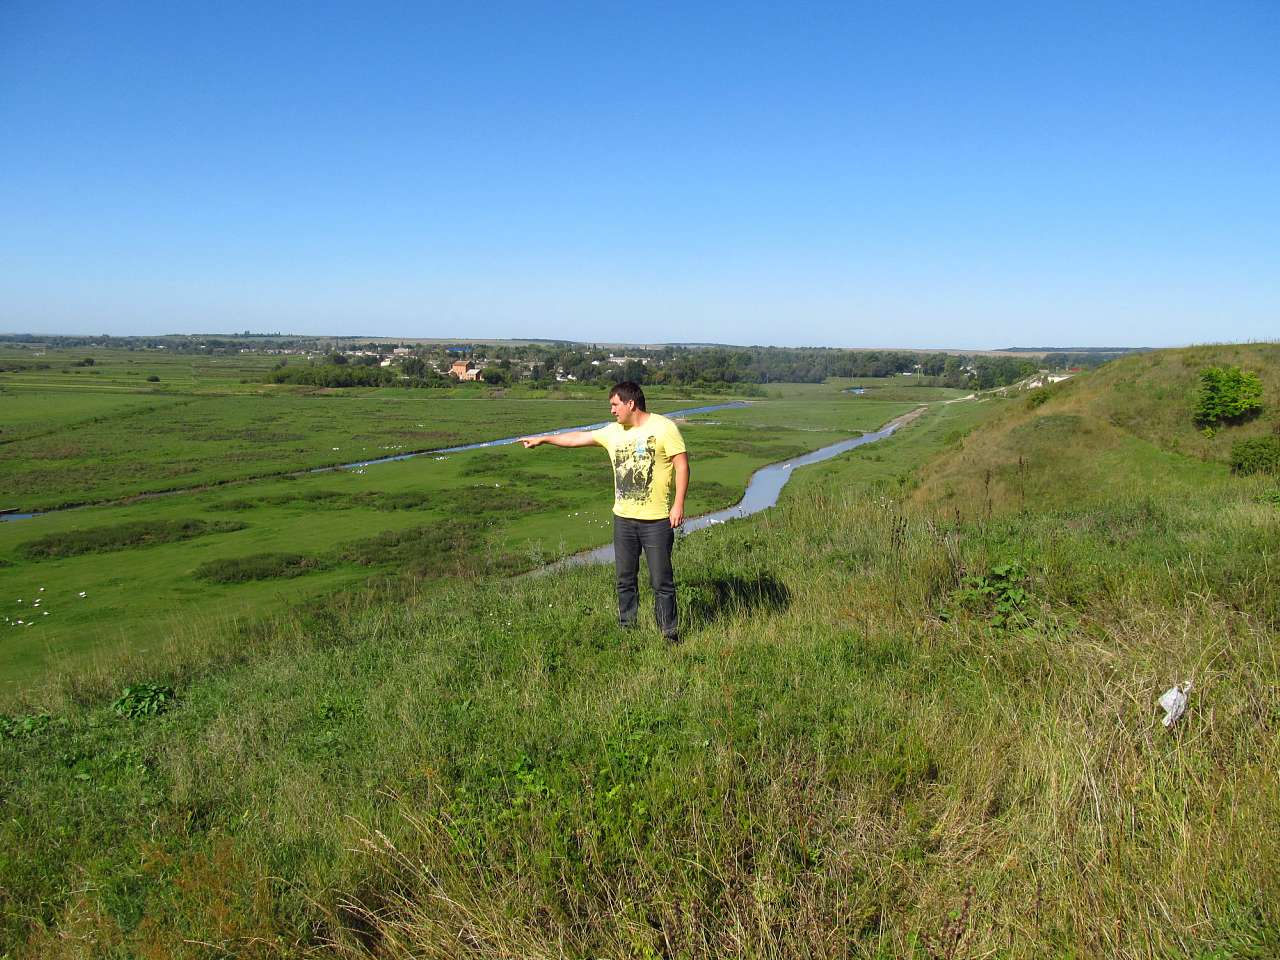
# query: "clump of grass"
[338,500]
[233,506]
[20,727]
[403,546]
[445,549]
[501,498]
[710,495]
[142,533]
[401,500]
[259,566]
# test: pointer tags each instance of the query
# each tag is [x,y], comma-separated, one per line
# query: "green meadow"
[914,713]
[234,545]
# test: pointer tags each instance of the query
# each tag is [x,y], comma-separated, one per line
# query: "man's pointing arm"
[574,438]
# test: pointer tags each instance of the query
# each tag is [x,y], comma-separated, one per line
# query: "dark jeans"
[655,538]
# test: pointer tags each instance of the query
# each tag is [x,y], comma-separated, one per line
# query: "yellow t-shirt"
[642,468]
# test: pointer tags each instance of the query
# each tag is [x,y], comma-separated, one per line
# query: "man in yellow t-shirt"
[647,453]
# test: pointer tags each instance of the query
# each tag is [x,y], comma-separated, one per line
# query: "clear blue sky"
[847,174]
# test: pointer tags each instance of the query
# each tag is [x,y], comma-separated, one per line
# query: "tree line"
[542,365]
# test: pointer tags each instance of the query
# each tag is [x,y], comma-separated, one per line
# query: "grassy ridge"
[854,752]
[1127,430]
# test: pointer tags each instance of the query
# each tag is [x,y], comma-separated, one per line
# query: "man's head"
[624,400]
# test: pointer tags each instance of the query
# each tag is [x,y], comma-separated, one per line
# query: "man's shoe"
[672,638]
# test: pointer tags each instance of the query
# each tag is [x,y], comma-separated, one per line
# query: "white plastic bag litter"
[1174,703]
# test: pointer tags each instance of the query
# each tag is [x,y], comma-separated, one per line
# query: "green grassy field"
[914,715]
[185,441]
[103,433]
[504,508]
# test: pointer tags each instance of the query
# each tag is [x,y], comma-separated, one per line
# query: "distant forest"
[343,362]
[741,368]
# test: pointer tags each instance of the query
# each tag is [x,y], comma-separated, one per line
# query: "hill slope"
[914,716]
[1124,431]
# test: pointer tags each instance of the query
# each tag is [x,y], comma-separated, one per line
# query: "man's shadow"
[705,598]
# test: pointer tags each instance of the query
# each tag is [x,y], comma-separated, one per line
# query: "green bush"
[1258,455]
[1227,395]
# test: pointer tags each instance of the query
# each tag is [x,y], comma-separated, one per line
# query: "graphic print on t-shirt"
[633,468]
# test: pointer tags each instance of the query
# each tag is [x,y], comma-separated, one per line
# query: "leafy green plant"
[1000,594]
[141,700]
[15,728]
[1227,395]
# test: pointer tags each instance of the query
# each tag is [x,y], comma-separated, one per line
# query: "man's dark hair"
[628,391]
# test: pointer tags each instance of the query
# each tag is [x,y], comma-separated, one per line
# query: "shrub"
[1227,395]
[1258,455]
[334,375]
[259,566]
[1000,594]
[153,379]
[144,700]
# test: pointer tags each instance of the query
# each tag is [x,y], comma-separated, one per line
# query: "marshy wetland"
[245,527]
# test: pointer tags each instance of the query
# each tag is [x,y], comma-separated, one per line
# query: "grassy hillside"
[1124,431]
[914,715]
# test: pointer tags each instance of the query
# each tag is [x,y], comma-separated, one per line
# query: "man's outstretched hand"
[528,442]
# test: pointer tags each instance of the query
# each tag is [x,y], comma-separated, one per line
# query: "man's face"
[622,411]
